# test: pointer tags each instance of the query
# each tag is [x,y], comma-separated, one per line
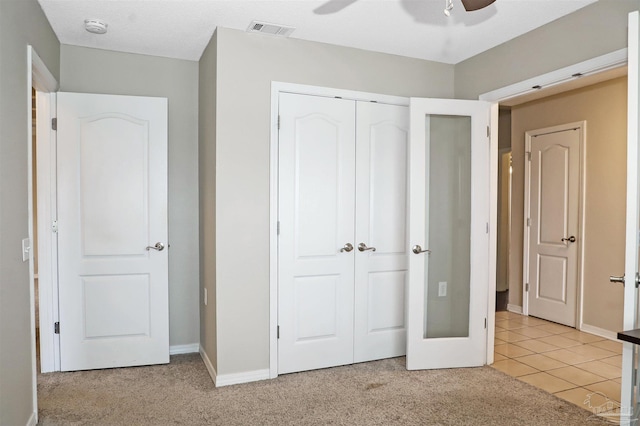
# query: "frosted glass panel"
[448,206]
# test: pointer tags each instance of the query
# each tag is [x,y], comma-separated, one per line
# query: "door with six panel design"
[342,247]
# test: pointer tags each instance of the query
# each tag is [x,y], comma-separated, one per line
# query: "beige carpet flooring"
[373,393]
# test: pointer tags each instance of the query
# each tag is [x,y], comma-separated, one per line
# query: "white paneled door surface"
[554,183]
[381,231]
[315,250]
[112,231]
[342,251]
[449,214]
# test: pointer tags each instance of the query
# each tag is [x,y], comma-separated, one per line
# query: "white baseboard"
[208,364]
[184,349]
[235,378]
[611,335]
[32,420]
[514,308]
[244,377]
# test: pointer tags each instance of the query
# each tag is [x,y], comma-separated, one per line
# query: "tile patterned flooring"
[561,360]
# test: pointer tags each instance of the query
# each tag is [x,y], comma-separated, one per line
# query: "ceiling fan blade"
[470,5]
[332,6]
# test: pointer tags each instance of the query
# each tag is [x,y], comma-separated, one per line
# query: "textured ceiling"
[415,28]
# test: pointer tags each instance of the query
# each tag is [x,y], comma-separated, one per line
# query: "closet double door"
[343,232]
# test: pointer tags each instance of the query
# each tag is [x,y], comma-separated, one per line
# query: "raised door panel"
[112,204]
[554,183]
[381,223]
[316,211]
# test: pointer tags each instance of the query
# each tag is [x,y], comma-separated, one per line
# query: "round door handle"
[417,250]
[159,247]
[571,239]
[347,247]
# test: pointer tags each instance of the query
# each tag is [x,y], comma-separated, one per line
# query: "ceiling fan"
[333,6]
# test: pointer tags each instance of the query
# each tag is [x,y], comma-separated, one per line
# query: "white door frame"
[40,78]
[276,89]
[582,126]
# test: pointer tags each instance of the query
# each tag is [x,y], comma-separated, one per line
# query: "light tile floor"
[570,364]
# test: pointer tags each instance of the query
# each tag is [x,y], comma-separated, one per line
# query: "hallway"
[560,360]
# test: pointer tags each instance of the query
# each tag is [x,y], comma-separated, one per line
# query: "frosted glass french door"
[449,233]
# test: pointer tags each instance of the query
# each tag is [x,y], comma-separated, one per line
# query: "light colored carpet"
[373,393]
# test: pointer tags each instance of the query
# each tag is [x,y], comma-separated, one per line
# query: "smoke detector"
[272,29]
[95,26]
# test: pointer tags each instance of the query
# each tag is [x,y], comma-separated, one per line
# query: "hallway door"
[554,194]
[112,231]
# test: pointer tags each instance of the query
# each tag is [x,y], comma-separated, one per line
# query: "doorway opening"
[604,231]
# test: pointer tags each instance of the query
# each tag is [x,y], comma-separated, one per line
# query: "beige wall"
[246,66]
[603,106]
[207,185]
[21,23]
[101,71]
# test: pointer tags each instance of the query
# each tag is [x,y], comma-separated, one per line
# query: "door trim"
[277,88]
[39,78]
[526,239]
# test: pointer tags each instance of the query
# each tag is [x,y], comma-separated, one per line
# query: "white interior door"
[554,183]
[630,398]
[449,233]
[316,219]
[381,265]
[112,221]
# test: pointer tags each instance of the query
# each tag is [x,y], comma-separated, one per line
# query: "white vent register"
[272,29]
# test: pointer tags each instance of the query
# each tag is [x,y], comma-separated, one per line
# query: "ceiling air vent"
[272,29]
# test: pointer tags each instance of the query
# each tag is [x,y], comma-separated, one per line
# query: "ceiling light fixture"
[95,26]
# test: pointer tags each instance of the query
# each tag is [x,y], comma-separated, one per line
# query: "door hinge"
[488,131]
[485,323]
[487,227]
[529,155]
[278,122]
[56,328]
[278,332]
[54,226]
[278,227]
[54,123]
[528,221]
[526,287]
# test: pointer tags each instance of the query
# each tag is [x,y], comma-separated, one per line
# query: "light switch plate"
[26,249]
[442,289]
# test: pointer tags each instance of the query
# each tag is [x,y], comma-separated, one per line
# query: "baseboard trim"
[514,308]
[32,420]
[208,364]
[244,377]
[184,349]
[611,335]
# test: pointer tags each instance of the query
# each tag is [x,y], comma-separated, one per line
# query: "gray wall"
[595,30]
[247,63]
[21,23]
[100,71]
[207,185]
